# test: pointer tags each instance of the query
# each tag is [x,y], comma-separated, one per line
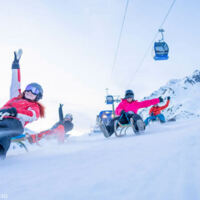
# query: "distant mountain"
[185,97]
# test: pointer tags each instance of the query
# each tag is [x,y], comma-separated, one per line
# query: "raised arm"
[60,112]
[166,105]
[151,102]
[15,89]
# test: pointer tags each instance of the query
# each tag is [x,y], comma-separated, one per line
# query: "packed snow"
[161,164]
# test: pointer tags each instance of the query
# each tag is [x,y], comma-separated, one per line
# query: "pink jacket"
[134,105]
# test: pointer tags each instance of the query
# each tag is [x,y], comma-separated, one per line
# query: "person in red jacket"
[21,109]
[59,130]
[127,109]
[155,113]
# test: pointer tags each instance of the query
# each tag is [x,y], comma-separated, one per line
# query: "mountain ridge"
[184,95]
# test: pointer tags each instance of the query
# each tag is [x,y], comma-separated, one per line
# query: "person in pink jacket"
[127,109]
[21,109]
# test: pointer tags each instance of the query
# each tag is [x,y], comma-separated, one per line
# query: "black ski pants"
[8,128]
[123,119]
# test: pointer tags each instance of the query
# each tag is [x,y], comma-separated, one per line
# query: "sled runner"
[19,141]
[121,129]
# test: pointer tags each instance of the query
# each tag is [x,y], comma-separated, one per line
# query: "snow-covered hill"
[185,97]
[162,164]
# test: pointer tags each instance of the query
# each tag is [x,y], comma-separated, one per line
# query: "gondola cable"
[150,45]
[119,38]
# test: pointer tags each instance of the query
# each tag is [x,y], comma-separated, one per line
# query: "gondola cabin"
[161,48]
[161,51]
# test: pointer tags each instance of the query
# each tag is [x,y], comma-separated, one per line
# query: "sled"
[18,140]
[121,129]
[21,145]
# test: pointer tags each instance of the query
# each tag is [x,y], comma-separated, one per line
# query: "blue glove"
[168,98]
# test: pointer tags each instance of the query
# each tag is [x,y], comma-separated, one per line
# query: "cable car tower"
[111,100]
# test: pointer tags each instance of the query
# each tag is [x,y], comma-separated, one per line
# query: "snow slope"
[162,164]
[184,95]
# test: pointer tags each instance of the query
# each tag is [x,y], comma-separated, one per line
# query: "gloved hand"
[152,114]
[8,112]
[168,98]
[60,112]
[122,112]
[17,56]
[161,99]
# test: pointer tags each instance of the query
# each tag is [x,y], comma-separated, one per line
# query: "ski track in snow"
[163,163]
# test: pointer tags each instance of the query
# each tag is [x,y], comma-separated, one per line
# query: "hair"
[42,110]
[41,107]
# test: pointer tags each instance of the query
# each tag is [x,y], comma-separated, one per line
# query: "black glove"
[10,112]
[168,98]
[17,56]
[60,112]
[160,99]
[122,112]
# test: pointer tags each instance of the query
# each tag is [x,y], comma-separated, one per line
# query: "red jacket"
[157,110]
[27,111]
[59,132]
[134,105]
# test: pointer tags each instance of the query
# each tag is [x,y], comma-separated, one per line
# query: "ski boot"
[140,125]
[103,128]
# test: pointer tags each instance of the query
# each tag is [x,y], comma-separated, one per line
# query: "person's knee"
[136,117]
[161,118]
[5,144]
[147,119]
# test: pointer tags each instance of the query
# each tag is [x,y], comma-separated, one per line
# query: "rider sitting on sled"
[155,113]
[59,130]
[127,109]
[21,109]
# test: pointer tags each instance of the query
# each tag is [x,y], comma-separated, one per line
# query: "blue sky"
[69,49]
